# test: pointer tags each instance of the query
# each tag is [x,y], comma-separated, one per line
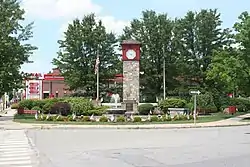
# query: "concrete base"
[130,105]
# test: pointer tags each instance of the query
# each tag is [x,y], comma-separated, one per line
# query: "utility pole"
[164,74]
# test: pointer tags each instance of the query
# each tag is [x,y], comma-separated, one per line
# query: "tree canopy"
[198,53]
[84,39]
[14,48]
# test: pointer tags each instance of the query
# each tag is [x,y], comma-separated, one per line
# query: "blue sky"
[52,16]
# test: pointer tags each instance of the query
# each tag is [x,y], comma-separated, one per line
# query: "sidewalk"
[7,123]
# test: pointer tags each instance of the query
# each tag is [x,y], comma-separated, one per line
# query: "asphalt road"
[220,147]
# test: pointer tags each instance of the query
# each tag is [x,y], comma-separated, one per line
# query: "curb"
[47,127]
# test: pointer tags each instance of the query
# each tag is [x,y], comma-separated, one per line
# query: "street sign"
[195,92]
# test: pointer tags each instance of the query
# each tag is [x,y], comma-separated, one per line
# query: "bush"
[62,108]
[167,118]
[121,119]
[26,104]
[85,119]
[36,108]
[205,103]
[103,119]
[144,109]
[154,119]
[137,119]
[47,107]
[183,117]
[15,106]
[176,118]
[190,106]
[80,105]
[58,118]
[51,118]
[172,103]
[241,103]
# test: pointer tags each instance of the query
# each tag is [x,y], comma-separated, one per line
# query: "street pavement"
[206,147]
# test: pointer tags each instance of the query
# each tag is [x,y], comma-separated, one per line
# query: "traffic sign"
[195,92]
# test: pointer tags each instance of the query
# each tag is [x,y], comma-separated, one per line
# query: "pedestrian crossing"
[15,149]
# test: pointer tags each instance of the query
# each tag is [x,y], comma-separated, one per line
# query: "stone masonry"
[131,87]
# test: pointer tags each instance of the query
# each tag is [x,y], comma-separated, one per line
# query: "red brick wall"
[59,86]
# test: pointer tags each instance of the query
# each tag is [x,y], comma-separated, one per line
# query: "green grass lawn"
[201,119]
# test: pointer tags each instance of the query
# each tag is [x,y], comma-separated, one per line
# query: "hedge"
[64,106]
[172,103]
[144,109]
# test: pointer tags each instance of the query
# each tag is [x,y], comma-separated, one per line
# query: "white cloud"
[113,24]
[67,10]
[54,9]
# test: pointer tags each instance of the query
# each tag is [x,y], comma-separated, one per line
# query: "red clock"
[130,50]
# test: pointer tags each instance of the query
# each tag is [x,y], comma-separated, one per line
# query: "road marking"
[15,154]
[16,162]
[15,149]
[14,146]
[14,159]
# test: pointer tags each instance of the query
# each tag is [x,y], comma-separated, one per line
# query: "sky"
[51,18]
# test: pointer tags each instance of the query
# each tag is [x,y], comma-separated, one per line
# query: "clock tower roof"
[130,41]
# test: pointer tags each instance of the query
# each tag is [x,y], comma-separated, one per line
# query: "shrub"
[190,106]
[51,118]
[144,109]
[41,118]
[190,117]
[96,111]
[36,108]
[167,118]
[62,108]
[59,118]
[120,119]
[172,103]
[176,118]
[183,117]
[47,107]
[26,104]
[241,103]
[154,119]
[137,119]
[85,119]
[205,103]
[70,118]
[103,119]
[80,105]
[15,106]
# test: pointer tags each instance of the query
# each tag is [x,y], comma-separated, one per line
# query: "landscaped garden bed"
[55,119]
[83,111]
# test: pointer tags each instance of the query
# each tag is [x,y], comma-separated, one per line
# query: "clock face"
[130,54]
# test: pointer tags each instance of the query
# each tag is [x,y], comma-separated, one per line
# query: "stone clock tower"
[131,72]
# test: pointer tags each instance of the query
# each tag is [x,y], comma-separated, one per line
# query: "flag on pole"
[97,62]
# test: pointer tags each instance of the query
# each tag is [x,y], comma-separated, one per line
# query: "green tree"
[14,49]
[242,28]
[154,31]
[228,71]
[200,34]
[84,39]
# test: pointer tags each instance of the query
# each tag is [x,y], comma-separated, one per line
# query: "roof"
[130,41]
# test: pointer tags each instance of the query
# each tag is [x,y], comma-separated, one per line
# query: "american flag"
[97,62]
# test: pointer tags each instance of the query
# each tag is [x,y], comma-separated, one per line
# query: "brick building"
[54,85]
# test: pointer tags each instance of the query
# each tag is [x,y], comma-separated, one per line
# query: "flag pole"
[164,74]
[97,76]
